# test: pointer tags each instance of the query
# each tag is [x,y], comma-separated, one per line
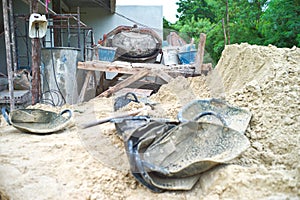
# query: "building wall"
[103,22]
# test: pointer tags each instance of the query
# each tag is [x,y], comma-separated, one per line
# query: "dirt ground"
[91,163]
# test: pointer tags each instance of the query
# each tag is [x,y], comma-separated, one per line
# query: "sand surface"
[91,163]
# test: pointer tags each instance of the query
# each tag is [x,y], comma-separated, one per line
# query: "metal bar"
[84,46]
[69,36]
[12,29]
[8,54]
[17,50]
[78,21]
[27,44]
[71,27]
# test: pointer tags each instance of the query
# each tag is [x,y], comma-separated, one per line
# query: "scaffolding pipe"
[12,29]
[78,21]
[8,55]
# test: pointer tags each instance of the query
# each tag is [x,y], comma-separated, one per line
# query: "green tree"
[281,23]
[260,22]
[196,9]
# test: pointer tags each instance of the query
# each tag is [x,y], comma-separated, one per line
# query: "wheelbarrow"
[37,121]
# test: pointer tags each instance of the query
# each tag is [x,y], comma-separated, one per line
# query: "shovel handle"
[211,113]
[5,114]
[108,119]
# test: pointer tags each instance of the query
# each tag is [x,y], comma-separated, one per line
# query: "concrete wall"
[103,22]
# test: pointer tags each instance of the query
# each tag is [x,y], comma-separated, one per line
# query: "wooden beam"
[35,63]
[200,53]
[100,86]
[56,6]
[124,83]
[132,68]
[163,75]
[85,86]
[108,67]
[8,54]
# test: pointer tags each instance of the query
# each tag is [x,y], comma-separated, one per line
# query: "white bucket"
[170,56]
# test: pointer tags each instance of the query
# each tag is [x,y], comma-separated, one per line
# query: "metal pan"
[235,117]
[37,120]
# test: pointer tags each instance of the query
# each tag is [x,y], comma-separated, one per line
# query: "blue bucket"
[187,57]
[107,53]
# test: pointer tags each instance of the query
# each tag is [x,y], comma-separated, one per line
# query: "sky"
[169,6]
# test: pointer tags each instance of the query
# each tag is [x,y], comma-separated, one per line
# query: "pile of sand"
[266,81]
[91,163]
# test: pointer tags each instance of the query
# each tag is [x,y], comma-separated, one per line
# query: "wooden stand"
[136,70]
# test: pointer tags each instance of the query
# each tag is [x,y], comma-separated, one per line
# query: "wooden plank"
[100,86]
[163,75]
[56,6]
[8,54]
[149,66]
[36,62]
[200,54]
[119,67]
[132,68]
[106,67]
[124,83]
[85,86]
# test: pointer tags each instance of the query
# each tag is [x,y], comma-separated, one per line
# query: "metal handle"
[134,96]
[211,113]
[5,114]
[67,111]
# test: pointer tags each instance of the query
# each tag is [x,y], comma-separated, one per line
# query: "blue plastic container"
[187,57]
[107,53]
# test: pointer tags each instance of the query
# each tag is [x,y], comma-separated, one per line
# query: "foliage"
[193,27]
[188,8]
[281,23]
[167,27]
[260,22]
